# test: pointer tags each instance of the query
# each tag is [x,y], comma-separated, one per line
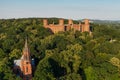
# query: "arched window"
[65,28]
[81,28]
[26,69]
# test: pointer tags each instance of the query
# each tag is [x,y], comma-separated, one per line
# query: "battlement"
[55,28]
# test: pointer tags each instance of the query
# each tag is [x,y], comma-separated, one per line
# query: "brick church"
[23,66]
[85,26]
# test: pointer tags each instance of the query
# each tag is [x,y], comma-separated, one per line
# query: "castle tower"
[70,21]
[45,22]
[86,21]
[61,22]
[86,25]
[80,26]
[26,67]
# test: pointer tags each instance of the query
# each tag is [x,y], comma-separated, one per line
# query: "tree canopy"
[69,55]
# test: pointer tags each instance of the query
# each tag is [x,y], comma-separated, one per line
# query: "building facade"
[85,26]
[23,66]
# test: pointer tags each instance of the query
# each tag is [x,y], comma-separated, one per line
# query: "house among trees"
[23,66]
[85,26]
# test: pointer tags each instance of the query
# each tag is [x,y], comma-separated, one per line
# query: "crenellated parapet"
[55,28]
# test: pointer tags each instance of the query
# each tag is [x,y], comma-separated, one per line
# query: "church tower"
[26,66]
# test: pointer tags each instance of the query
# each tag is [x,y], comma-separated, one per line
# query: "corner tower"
[45,22]
[61,22]
[86,25]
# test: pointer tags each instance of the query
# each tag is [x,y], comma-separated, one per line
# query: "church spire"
[26,53]
[23,66]
[26,45]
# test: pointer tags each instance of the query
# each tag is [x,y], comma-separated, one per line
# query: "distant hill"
[105,21]
[55,19]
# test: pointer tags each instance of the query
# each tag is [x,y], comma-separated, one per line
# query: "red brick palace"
[85,26]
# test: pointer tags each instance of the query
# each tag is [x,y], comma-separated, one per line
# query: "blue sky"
[74,9]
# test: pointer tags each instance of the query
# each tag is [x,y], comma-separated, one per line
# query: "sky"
[70,9]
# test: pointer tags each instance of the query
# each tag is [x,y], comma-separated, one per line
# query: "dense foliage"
[70,55]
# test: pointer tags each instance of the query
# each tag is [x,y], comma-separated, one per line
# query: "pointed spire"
[26,45]
[26,53]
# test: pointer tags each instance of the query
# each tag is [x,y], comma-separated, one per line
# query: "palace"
[23,66]
[85,26]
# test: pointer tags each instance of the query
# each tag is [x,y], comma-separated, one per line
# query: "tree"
[116,62]
[90,74]
[6,72]
[2,54]
[15,54]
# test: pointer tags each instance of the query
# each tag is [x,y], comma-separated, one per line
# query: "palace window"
[27,62]
[81,28]
[65,28]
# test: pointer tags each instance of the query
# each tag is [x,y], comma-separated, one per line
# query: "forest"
[69,55]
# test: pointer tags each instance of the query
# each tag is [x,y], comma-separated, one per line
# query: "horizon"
[62,18]
[68,9]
